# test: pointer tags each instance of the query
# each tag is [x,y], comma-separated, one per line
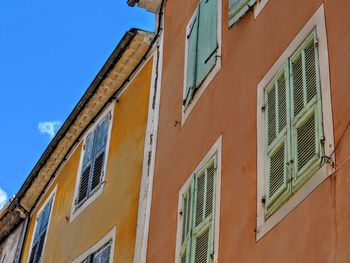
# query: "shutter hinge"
[263,107]
[263,199]
[181,212]
[322,140]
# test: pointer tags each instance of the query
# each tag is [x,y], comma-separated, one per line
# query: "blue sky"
[50,51]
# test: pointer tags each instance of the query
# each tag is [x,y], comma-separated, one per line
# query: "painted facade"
[256,40]
[228,142]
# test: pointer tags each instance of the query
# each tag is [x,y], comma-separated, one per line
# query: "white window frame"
[214,152]
[53,197]
[317,21]
[259,6]
[75,211]
[110,236]
[186,110]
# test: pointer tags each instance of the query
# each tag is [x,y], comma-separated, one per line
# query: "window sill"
[77,210]
[264,226]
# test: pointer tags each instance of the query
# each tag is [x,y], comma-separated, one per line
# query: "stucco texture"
[117,205]
[318,230]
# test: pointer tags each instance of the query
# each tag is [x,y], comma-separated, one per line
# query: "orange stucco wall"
[318,230]
[117,205]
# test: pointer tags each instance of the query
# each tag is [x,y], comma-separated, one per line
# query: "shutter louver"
[277,171]
[200,195]
[308,116]
[298,85]
[201,254]
[207,39]
[306,142]
[84,184]
[276,122]
[191,59]
[210,191]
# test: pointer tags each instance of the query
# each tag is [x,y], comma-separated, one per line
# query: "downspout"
[24,232]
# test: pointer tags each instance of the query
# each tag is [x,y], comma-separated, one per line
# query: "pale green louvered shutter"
[238,8]
[203,228]
[86,169]
[191,59]
[207,39]
[99,152]
[187,217]
[307,111]
[277,143]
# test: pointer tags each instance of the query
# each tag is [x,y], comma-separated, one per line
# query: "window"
[306,138]
[197,216]
[238,8]
[100,252]
[100,256]
[93,161]
[41,227]
[202,47]
[293,122]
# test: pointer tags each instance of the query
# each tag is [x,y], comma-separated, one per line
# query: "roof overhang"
[150,5]
[120,66]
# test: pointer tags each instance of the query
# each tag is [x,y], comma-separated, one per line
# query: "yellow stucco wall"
[117,205]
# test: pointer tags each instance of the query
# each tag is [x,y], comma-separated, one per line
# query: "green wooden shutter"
[99,150]
[187,217]
[238,8]
[203,228]
[191,59]
[207,39]
[307,113]
[277,143]
[86,169]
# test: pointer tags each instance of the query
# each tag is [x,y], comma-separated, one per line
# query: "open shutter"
[207,39]
[277,134]
[238,8]
[86,169]
[100,143]
[191,59]
[203,221]
[307,113]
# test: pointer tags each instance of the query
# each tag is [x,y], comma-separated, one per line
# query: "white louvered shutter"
[277,143]
[306,110]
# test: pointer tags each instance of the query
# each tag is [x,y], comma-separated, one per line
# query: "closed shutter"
[191,59]
[307,114]
[40,234]
[277,133]
[187,217]
[203,220]
[86,169]
[103,255]
[101,134]
[207,39]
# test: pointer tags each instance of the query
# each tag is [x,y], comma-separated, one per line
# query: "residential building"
[252,153]
[81,201]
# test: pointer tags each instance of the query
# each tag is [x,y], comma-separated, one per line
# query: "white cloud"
[49,127]
[3,198]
